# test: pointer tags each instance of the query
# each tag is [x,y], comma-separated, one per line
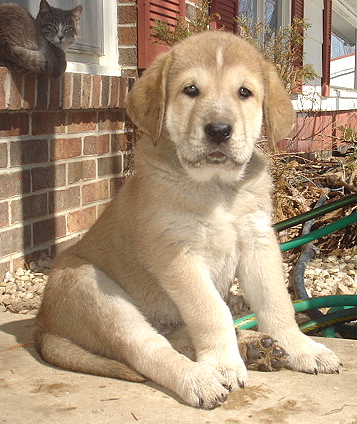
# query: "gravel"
[21,292]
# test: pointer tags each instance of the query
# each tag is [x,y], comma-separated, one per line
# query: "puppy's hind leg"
[99,317]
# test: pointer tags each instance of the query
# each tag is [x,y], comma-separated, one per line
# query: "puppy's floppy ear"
[146,101]
[279,115]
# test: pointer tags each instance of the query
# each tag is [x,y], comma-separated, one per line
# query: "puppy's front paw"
[207,386]
[312,357]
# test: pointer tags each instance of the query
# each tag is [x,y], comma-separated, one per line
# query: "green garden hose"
[250,321]
[321,232]
[314,213]
[347,303]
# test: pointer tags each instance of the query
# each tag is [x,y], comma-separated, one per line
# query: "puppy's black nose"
[218,133]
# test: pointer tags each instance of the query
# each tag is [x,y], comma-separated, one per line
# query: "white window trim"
[109,60]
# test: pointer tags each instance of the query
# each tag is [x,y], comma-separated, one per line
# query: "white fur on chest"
[212,237]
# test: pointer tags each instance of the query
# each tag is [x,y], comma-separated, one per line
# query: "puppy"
[196,214]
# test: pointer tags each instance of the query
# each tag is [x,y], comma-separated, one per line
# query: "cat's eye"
[191,90]
[68,29]
[244,92]
[51,27]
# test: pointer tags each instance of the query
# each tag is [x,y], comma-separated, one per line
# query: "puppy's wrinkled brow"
[219,57]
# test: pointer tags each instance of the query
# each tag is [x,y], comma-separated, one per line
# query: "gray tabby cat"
[37,46]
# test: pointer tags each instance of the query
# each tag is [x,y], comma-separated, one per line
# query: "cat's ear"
[76,13]
[45,7]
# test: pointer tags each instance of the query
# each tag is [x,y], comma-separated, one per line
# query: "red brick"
[64,148]
[101,208]
[123,90]
[60,200]
[13,124]
[81,170]
[96,145]
[112,120]
[29,100]
[42,92]
[115,184]
[49,229]
[48,122]
[127,14]
[128,56]
[96,91]
[15,240]
[48,177]
[55,101]
[14,184]
[82,121]
[4,75]
[29,207]
[28,151]
[81,220]
[95,191]
[86,91]
[110,165]
[127,36]
[105,91]
[4,215]
[3,155]
[76,92]
[120,142]
[114,92]
[67,84]
[15,91]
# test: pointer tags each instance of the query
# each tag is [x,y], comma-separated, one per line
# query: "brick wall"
[64,149]
[127,33]
[63,152]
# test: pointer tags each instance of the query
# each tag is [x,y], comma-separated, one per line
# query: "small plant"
[349,135]
[165,33]
[282,46]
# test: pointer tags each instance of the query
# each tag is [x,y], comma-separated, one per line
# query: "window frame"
[99,55]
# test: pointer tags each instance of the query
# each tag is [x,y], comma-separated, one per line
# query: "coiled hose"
[348,303]
[333,317]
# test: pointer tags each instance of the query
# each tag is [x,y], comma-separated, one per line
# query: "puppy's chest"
[216,243]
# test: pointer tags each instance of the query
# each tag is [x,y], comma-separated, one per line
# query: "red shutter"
[148,12]
[326,48]
[227,10]
[297,9]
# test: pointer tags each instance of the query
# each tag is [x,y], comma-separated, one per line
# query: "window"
[96,47]
[343,53]
[273,12]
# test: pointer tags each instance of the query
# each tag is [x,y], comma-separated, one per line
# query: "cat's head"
[58,26]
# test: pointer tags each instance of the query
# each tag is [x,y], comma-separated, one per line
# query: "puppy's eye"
[244,92]
[191,90]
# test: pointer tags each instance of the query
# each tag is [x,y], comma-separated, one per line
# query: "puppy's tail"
[65,354]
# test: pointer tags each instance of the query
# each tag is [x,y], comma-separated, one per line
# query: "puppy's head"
[211,95]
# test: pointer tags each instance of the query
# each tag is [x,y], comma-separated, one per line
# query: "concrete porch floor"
[32,392]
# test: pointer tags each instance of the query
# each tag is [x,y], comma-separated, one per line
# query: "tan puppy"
[196,214]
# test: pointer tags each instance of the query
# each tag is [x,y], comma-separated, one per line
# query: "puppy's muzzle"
[218,133]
